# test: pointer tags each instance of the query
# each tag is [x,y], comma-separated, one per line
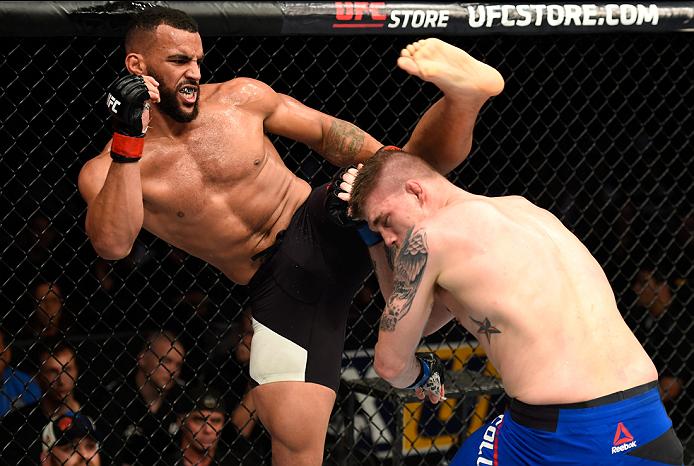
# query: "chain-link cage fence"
[595,128]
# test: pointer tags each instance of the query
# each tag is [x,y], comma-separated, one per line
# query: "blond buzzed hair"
[390,168]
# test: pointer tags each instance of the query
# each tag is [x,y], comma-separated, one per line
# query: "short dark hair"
[148,20]
[152,336]
[200,396]
[49,346]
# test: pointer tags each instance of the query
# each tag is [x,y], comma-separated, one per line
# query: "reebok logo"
[623,440]
[622,435]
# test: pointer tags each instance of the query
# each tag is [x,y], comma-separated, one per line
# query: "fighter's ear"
[414,187]
[135,64]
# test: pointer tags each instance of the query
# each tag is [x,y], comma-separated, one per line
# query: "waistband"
[268,252]
[545,417]
[315,200]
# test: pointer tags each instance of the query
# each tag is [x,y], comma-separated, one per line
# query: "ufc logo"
[347,11]
[112,103]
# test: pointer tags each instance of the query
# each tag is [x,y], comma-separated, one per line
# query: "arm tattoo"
[486,328]
[343,142]
[409,268]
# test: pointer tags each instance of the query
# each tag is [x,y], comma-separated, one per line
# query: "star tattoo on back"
[486,327]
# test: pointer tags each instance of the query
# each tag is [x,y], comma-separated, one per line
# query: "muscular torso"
[219,191]
[514,267]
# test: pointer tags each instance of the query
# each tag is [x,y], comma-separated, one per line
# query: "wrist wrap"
[424,373]
[127,149]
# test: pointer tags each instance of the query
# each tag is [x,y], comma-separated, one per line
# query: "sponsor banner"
[485,18]
[108,19]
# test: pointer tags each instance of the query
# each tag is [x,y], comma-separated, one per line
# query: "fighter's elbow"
[110,250]
[108,241]
[388,367]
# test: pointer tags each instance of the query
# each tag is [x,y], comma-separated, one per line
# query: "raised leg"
[296,414]
[444,134]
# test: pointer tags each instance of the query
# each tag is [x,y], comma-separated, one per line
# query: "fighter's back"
[513,268]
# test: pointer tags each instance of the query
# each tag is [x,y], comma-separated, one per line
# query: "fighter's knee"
[296,454]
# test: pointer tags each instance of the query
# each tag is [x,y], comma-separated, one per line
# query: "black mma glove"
[336,207]
[431,373]
[337,211]
[126,102]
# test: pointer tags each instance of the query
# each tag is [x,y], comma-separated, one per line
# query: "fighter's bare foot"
[450,68]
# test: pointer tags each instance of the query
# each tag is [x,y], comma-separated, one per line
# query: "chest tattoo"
[486,328]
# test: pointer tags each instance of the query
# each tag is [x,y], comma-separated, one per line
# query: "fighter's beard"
[169,104]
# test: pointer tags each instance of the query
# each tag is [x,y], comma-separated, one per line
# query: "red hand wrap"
[127,146]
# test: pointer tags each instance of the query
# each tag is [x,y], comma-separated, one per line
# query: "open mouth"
[189,94]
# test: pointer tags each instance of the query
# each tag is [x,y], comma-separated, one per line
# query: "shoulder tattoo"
[409,268]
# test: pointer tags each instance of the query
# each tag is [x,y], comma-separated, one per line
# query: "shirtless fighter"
[583,389]
[206,179]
